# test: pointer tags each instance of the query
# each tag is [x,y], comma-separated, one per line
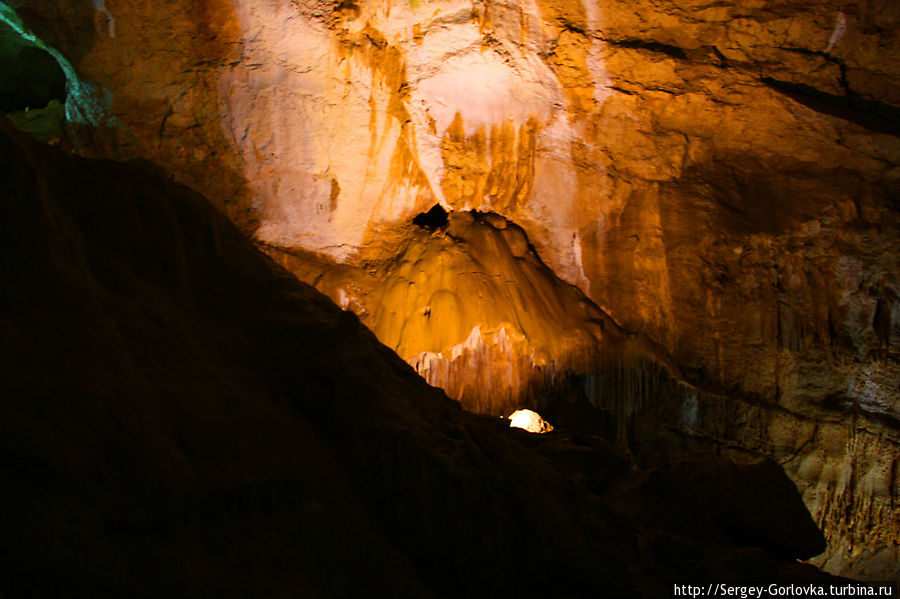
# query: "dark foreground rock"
[181,417]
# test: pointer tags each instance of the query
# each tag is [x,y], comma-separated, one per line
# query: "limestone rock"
[720,178]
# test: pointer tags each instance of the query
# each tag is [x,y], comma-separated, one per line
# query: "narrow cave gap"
[33,90]
[32,77]
[69,99]
[436,218]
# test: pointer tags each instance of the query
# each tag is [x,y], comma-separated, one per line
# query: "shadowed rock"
[181,417]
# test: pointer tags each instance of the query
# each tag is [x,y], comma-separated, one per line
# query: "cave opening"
[33,90]
[435,218]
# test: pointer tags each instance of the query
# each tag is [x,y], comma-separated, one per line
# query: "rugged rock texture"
[532,328]
[719,177]
[181,417]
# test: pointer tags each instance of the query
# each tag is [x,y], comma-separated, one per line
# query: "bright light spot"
[530,421]
[343,299]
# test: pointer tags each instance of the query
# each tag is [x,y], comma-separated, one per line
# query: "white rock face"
[341,115]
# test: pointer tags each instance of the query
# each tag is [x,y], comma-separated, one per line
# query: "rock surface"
[181,417]
[719,177]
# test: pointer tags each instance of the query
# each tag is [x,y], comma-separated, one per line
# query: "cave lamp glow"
[530,421]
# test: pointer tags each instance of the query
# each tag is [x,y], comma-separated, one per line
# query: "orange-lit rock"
[474,310]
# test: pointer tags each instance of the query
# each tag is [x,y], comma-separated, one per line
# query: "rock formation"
[181,417]
[712,187]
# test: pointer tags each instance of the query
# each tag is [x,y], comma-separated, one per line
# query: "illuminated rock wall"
[720,178]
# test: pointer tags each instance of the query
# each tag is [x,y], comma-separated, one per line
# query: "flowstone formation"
[716,183]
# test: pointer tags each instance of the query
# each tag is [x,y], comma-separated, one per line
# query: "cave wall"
[719,178]
[679,164]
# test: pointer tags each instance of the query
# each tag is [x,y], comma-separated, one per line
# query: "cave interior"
[441,299]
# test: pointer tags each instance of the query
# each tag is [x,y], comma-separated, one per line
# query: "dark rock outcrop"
[181,417]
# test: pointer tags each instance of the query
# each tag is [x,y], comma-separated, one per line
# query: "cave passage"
[33,87]
[76,101]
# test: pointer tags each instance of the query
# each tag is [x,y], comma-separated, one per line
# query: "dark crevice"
[808,52]
[723,62]
[574,28]
[668,50]
[434,219]
[33,86]
[869,114]
[31,76]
